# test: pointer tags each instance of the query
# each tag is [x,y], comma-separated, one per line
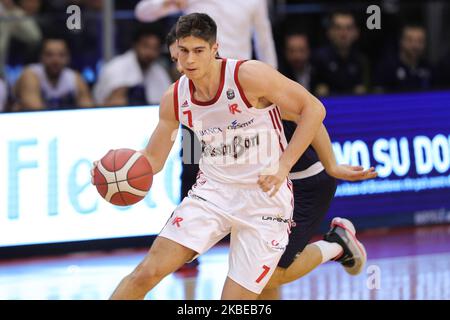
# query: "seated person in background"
[135,77]
[296,65]
[50,84]
[341,68]
[407,70]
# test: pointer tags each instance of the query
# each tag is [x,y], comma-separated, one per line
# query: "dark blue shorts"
[312,199]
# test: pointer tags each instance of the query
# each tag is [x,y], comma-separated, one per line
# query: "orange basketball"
[123,177]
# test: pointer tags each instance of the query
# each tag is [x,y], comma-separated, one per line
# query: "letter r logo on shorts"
[177,221]
[234,108]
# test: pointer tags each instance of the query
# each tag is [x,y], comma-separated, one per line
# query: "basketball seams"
[117,183]
[112,189]
[143,175]
[121,174]
[108,175]
[119,186]
[132,189]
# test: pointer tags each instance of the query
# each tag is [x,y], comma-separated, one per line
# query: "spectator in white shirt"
[237,22]
[135,77]
[15,24]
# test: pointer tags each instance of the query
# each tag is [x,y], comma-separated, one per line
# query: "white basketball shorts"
[259,226]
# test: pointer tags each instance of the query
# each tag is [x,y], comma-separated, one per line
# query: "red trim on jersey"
[238,84]
[219,90]
[279,115]
[272,117]
[175,100]
[278,121]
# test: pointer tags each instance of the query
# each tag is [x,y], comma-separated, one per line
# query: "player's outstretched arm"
[322,145]
[263,83]
[163,138]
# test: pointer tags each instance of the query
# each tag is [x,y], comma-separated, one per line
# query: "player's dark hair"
[198,25]
[171,36]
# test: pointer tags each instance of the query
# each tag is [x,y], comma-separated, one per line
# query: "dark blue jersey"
[308,158]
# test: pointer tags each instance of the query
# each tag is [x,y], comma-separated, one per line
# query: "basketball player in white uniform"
[314,180]
[242,188]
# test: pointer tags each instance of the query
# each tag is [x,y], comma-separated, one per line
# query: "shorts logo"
[276,219]
[234,108]
[177,221]
[276,245]
[230,94]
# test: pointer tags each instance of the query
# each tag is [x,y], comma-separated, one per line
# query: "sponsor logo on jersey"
[185,104]
[236,125]
[209,131]
[230,94]
[234,108]
[236,148]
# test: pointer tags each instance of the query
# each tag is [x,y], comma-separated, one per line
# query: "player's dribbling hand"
[94,165]
[352,173]
[271,179]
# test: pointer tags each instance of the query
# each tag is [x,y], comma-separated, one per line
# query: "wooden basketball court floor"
[406,264]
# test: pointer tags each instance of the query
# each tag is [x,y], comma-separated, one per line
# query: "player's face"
[55,57]
[173,49]
[196,56]
[147,50]
[297,51]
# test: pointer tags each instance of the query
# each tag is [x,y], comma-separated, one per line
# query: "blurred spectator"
[31,7]
[3,95]
[236,21]
[297,64]
[135,77]
[15,25]
[408,70]
[341,68]
[50,84]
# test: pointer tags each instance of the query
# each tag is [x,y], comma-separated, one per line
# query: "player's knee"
[146,275]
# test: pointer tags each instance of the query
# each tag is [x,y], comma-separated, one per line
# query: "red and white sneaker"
[354,256]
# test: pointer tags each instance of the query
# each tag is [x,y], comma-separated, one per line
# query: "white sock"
[329,250]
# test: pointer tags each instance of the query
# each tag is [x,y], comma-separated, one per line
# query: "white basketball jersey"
[238,140]
[64,91]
